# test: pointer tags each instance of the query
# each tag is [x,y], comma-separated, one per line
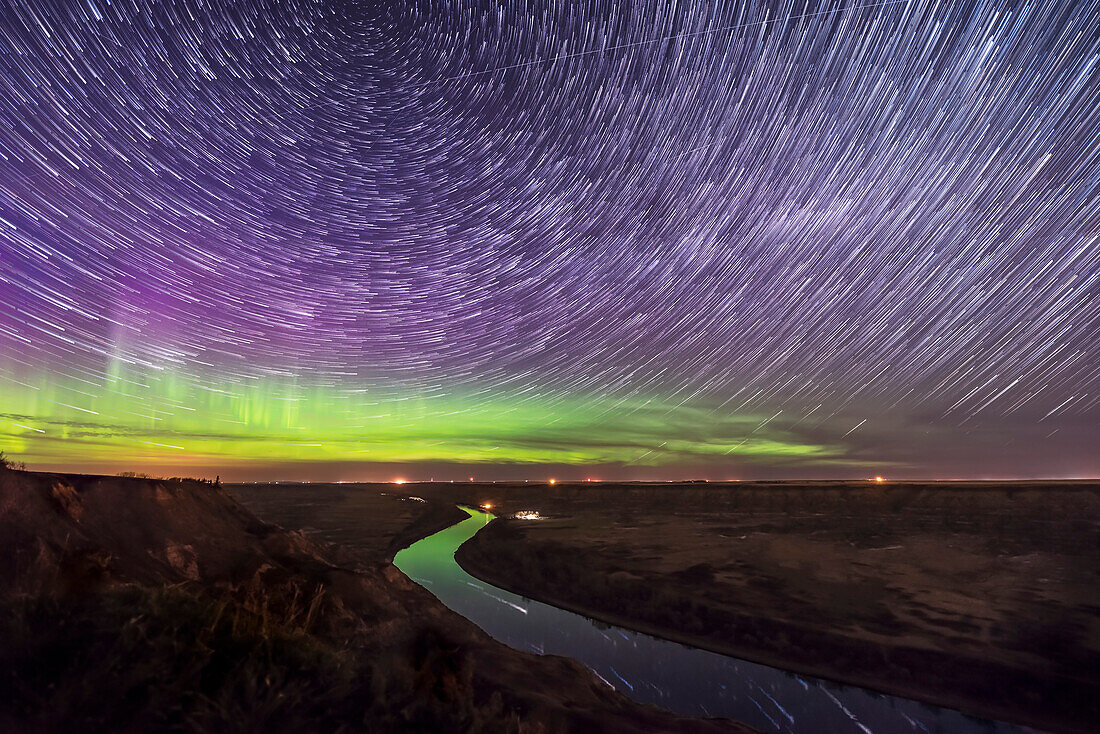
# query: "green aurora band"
[145,418]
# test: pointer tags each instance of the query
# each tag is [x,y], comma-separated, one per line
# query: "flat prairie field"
[984,597]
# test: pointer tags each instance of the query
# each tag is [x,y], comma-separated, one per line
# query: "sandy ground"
[980,597]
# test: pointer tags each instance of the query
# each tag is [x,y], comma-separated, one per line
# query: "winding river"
[670,675]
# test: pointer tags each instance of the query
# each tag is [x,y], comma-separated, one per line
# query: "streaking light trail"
[751,239]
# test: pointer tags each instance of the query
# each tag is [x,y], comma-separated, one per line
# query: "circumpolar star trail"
[342,239]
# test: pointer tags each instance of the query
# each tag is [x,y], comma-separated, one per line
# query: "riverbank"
[143,604]
[978,598]
[395,519]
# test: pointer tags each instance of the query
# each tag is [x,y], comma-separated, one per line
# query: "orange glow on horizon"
[553,481]
[879,479]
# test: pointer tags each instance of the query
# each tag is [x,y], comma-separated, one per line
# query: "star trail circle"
[678,239]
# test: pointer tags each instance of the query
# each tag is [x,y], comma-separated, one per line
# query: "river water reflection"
[674,676]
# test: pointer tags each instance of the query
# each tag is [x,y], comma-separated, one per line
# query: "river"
[670,675]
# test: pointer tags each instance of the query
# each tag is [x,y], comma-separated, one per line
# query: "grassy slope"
[145,605]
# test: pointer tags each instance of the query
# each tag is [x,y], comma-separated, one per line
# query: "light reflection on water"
[676,677]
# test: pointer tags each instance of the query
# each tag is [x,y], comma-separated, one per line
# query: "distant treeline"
[7,463]
[139,475]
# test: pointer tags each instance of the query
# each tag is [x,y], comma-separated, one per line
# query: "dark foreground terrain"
[982,597]
[147,605]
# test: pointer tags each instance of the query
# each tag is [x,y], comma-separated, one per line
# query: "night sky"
[362,240]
